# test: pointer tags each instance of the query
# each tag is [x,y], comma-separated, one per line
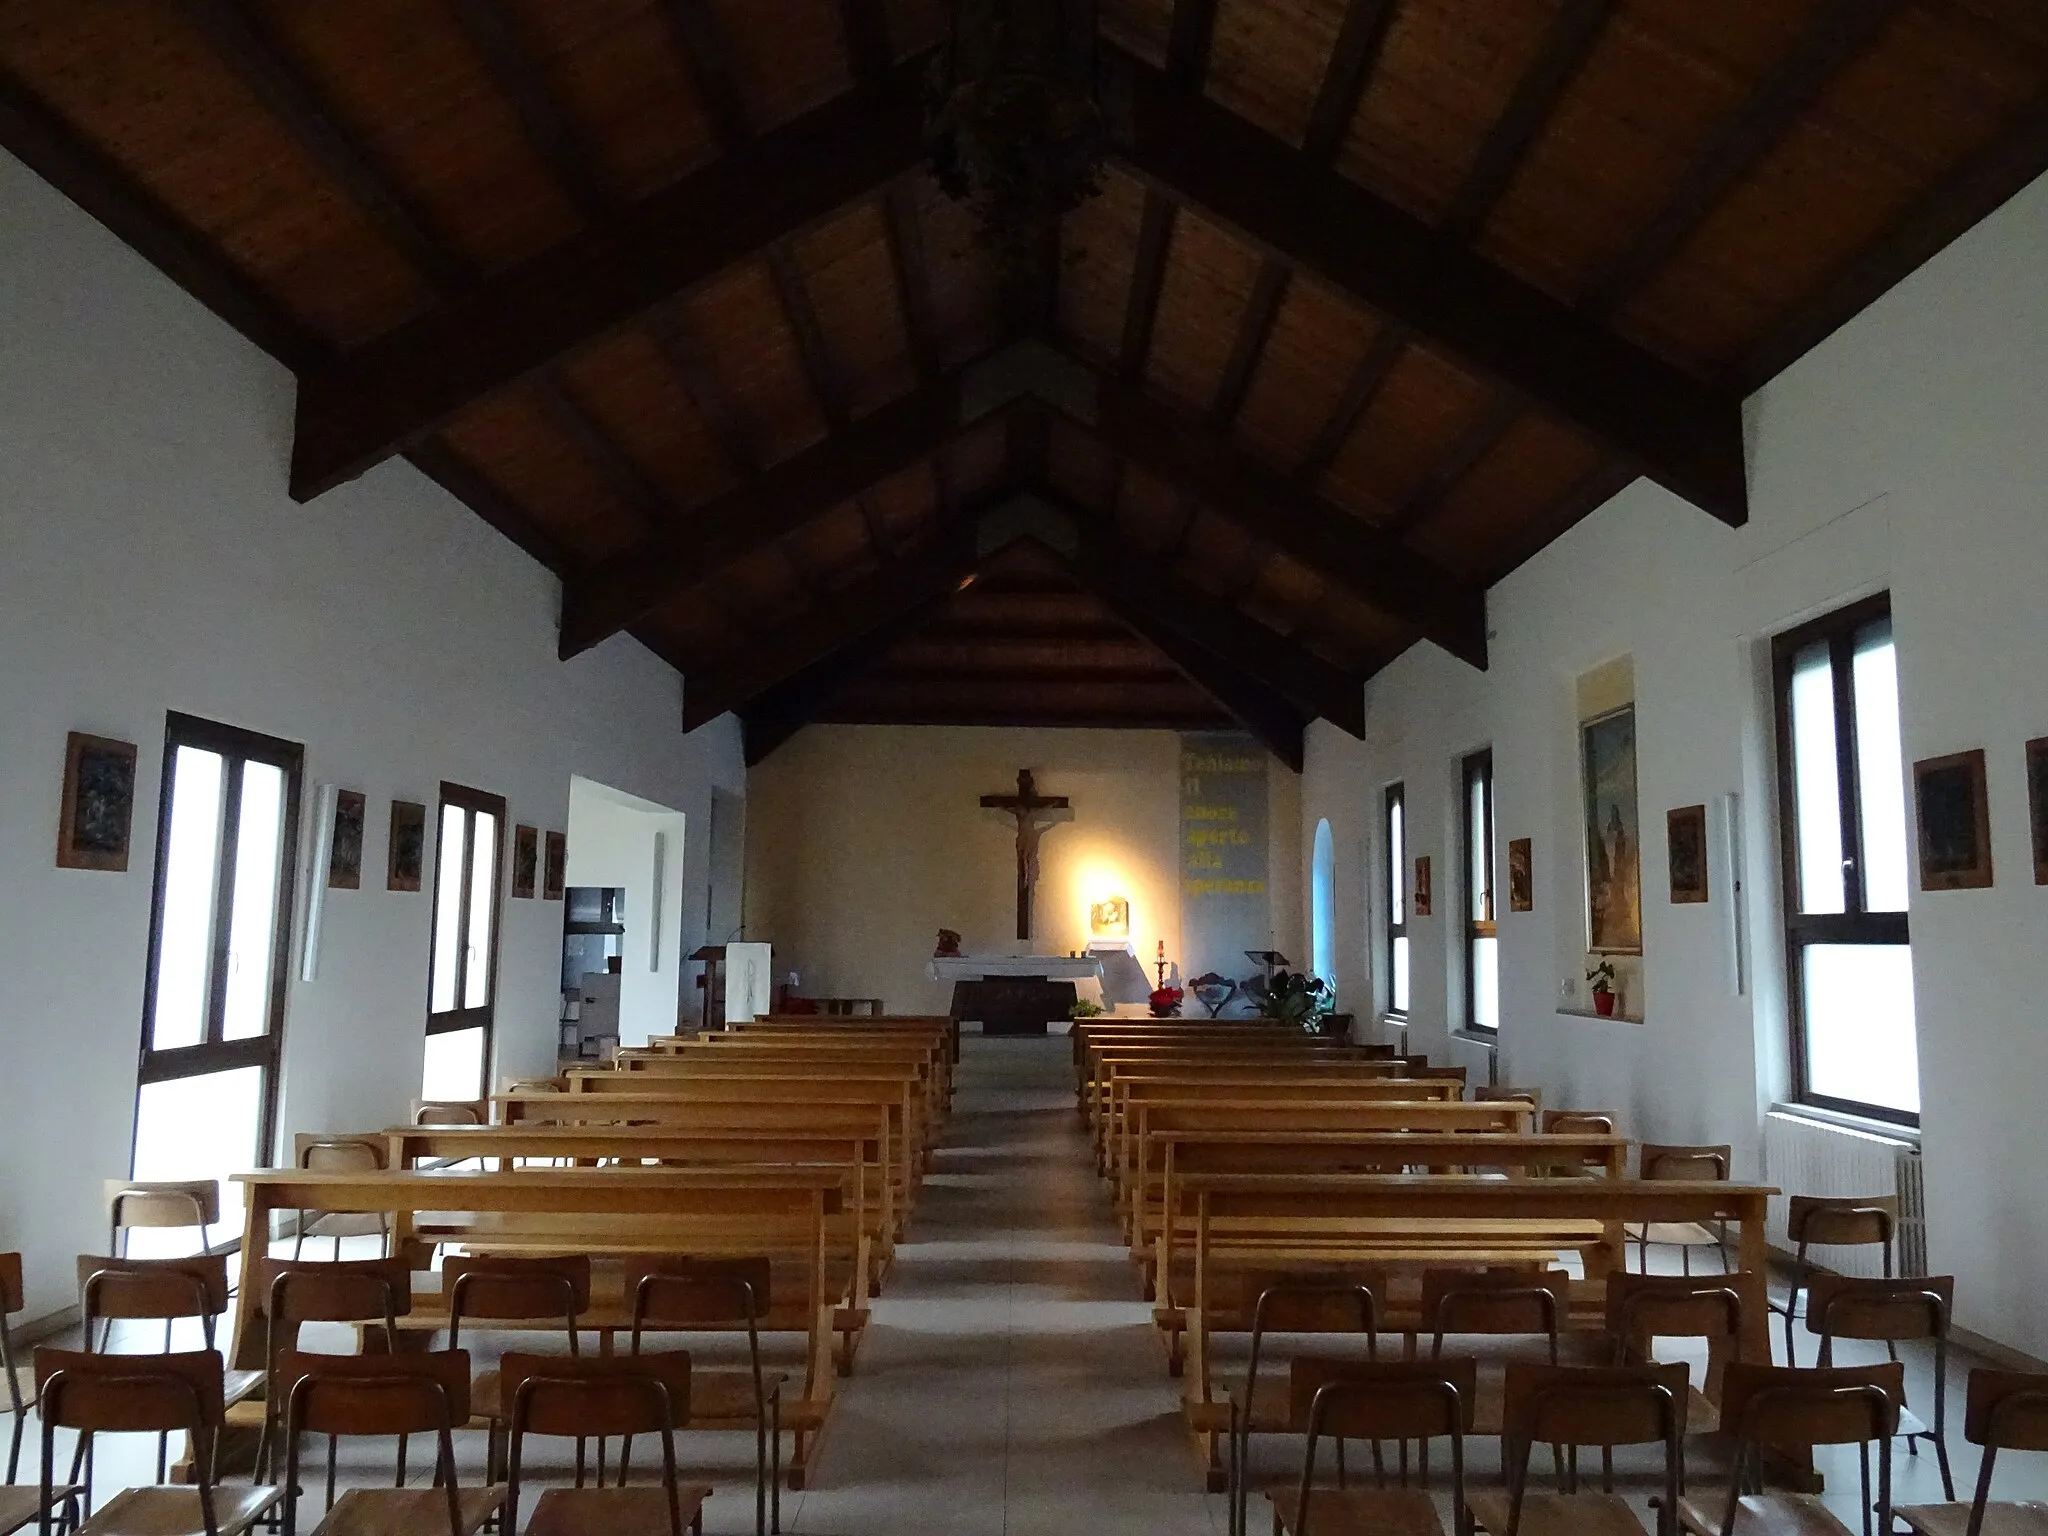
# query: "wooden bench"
[926,1060]
[1218,1085]
[1104,1065]
[790,1083]
[797,1218]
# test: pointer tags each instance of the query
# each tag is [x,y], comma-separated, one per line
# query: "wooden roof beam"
[1686,435]
[1148,278]
[1360,37]
[362,408]
[700,39]
[491,31]
[1276,723]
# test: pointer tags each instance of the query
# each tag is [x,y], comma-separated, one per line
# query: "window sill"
[1841,1120]
[1611,1018]
[1490,1038]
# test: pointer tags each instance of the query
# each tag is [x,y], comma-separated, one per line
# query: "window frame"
[1853,924]
[1476,766]
[1393,869]
[471,802]
[216,1053]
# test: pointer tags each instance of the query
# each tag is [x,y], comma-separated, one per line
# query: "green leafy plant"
[1602,976]
[1083,1009]
[1293,997]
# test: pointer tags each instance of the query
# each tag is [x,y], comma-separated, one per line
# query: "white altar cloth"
[1051,967]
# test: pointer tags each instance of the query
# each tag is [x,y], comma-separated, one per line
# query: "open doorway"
[633,848]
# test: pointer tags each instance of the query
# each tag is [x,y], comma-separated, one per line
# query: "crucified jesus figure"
[1025,805]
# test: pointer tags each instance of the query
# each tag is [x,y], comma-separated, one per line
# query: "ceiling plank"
[1254,328]
[1360,390]
[1983,185]
[707,59]
[1148,278]
[1318,688]
[1188,40]
[1686,435]
[1479,438]
[1838,32]
[491,31]
[769,721]
[360,409]
[438,462]
[1566,45]
[1277,724]
[1192,456]
[240,39]
[41,140]
[626,588]
[913,274]
[1360,37]
[626,480]
[828,385]
[906,585]
[673,338]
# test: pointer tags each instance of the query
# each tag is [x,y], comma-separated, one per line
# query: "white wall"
[154,562]
[1905,454]
[611,843]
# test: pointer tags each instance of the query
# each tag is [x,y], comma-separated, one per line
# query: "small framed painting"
[1521,876]
[345,857]
[557,867]
[99,803]
[1420,900]
[1954,818]
[407,858]
[1685,833]
[2037,804]
[525,861]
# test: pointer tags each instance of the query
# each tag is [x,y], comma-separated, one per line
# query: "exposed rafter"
[1482,434]
[700,39]
[772,719]
[1276,723]
[1360,390]
[1148,277]
[912,274]
[1254,328]
[366,406]
[492,30]
[1684,434]
[1189,38]
[1357,49]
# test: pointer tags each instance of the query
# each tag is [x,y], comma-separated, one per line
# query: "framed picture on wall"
[557,866]
[2037,804]
[525,861]
[1614,844]
[1685,835]
[406,860]
[1521,876]
[1954,817]
[1419,901]
[99,803]
[345,856]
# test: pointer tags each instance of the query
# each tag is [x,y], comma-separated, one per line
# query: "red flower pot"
[1603,1004]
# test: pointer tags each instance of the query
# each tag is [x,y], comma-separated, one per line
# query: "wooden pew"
[1105,1064]
[1242,1226]
[797,1217]
[926,1059]
[1193,1084]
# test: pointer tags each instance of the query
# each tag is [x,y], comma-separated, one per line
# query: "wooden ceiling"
[1379,297]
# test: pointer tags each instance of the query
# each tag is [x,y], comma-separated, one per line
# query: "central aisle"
[1011,1382]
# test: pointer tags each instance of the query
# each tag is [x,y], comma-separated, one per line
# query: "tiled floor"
[1011,1382]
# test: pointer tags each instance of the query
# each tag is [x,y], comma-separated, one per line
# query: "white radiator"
[1812,1157]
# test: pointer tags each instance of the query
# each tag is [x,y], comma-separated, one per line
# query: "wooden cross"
[1025,806]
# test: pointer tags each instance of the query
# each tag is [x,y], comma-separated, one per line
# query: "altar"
[1013,994]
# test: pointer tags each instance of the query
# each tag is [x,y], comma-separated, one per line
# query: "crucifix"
[1025,806]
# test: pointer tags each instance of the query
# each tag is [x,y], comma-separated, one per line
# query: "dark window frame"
[1476,766]
[1852,925]
[484,1016]
[216,1053]
[1393,872]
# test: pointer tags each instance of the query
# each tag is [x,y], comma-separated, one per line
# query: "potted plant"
[1166,1002]
[1602,978]
[1295,998]
[1084,1009]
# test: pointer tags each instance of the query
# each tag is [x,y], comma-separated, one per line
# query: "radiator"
[1478,1058]
[1812,1157]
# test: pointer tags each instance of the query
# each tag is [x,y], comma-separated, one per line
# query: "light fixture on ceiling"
[1014,124]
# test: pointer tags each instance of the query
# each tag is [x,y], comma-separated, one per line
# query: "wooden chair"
[504,1288]
[163,1205]
[144,1394]
[1502,1093]
[2006,1411]
[403,1395]
[1656,1160]
[1644,1308]
[1576,1122]
[1827,1221]
[1293,1305]
[157,1290]
[448,1112]
[1401,1401]
[21,1379]
[1888,1312]
[573,1398]
[1575,1406]
[294,1292]
[1785,1409]
[685,1295]
[341,1156]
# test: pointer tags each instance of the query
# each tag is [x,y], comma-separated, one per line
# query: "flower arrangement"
[1166,1002]
[1293,997]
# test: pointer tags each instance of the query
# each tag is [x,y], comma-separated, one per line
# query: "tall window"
[463,977]
[219,948]
[1395,841]
[1842,806]
[1482,945]
[1322,906]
